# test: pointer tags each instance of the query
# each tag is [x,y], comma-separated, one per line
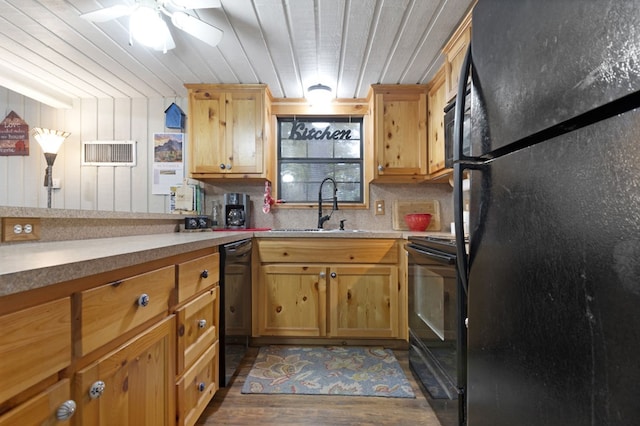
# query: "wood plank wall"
[126,189]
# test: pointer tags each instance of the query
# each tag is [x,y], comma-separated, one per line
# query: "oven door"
[437,332]
[432,279]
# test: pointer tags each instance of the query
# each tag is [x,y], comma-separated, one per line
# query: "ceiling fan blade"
[197,28]
[106,14]
[196,4]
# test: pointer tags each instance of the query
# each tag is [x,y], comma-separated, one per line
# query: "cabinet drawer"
[197,387]
[197,275]
[41,409]
[34,344]
[343,250]
[197,327]
[108,311]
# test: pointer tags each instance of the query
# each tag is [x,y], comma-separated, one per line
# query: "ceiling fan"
[147,26]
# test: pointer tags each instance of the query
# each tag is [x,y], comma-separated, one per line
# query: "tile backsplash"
[307,217]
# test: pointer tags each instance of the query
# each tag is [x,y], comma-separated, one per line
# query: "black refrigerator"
[553,265]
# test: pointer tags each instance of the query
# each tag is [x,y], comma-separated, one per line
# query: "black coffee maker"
[236,211]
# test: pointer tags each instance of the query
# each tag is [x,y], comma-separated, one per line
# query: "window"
[313,148]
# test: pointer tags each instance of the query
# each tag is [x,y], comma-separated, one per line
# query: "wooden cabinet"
[35,346]
[292,300]
[435,144]
[198,333]
[328,288]
[110,310]
[454,52]
[363,301]
[229,128]
[197,386]
[134,384]
[399,132]
[46,408]
[141,334]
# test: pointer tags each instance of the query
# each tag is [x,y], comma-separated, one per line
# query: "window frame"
[361,160]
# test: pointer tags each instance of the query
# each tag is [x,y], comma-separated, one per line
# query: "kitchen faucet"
[322,219]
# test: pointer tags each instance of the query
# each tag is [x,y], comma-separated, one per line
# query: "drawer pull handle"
[66,410]
[143,300]
[333,275]
[380,168]
[205,273]
[322,275]
[222,166]
[202,323]
[97,389]
[201,386]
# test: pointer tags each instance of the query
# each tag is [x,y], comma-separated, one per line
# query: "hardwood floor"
[230,407]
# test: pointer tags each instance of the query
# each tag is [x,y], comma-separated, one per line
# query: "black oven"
[449,121]
[437,330]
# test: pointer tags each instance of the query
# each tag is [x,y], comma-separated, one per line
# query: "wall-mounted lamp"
[50,141]
[319,94]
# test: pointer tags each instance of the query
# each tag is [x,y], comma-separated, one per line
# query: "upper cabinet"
[437,102]
[454,52]
[229,130]
[400,132]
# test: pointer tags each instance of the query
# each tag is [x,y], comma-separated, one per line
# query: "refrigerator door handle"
[458,167]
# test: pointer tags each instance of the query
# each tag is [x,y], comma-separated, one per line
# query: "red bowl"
[417,221]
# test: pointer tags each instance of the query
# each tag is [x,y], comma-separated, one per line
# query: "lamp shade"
[319,94]
[49,140]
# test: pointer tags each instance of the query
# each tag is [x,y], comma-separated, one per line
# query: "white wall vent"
[109,153]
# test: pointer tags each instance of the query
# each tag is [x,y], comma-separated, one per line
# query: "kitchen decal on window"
[14,135]
[300,132]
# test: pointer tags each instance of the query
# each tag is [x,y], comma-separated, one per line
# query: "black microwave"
[449,122]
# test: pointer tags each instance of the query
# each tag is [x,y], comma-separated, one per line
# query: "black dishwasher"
[235,306]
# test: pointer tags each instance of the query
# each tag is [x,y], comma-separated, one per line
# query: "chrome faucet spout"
[322,219]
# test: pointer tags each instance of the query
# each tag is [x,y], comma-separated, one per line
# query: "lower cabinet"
[312,299]
[53,406]
[134,384]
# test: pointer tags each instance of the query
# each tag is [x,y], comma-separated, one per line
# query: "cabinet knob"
[205,274]
[143,300]
[222,166]
[322,275]
[97,388]
[66,410]
[380,167]
[229,166]
[202,323]
[201,386]
[333,275]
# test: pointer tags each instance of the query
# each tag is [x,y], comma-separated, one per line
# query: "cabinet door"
[139,382]
[401,131]
[437,102]
[454,51]
[244,132]
[363,301]
[292,300]
[207,127]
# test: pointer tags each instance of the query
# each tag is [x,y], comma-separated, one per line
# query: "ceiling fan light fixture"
[147,27]
[319,94]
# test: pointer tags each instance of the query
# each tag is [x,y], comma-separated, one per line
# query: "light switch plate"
[379,207]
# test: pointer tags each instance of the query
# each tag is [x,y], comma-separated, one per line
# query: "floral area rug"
[333,370]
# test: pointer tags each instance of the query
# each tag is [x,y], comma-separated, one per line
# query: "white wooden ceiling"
[287,44]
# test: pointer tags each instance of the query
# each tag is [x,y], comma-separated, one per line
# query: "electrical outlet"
[20,229]
[379,207]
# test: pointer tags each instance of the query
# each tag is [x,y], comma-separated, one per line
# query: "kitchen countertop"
[34,265]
